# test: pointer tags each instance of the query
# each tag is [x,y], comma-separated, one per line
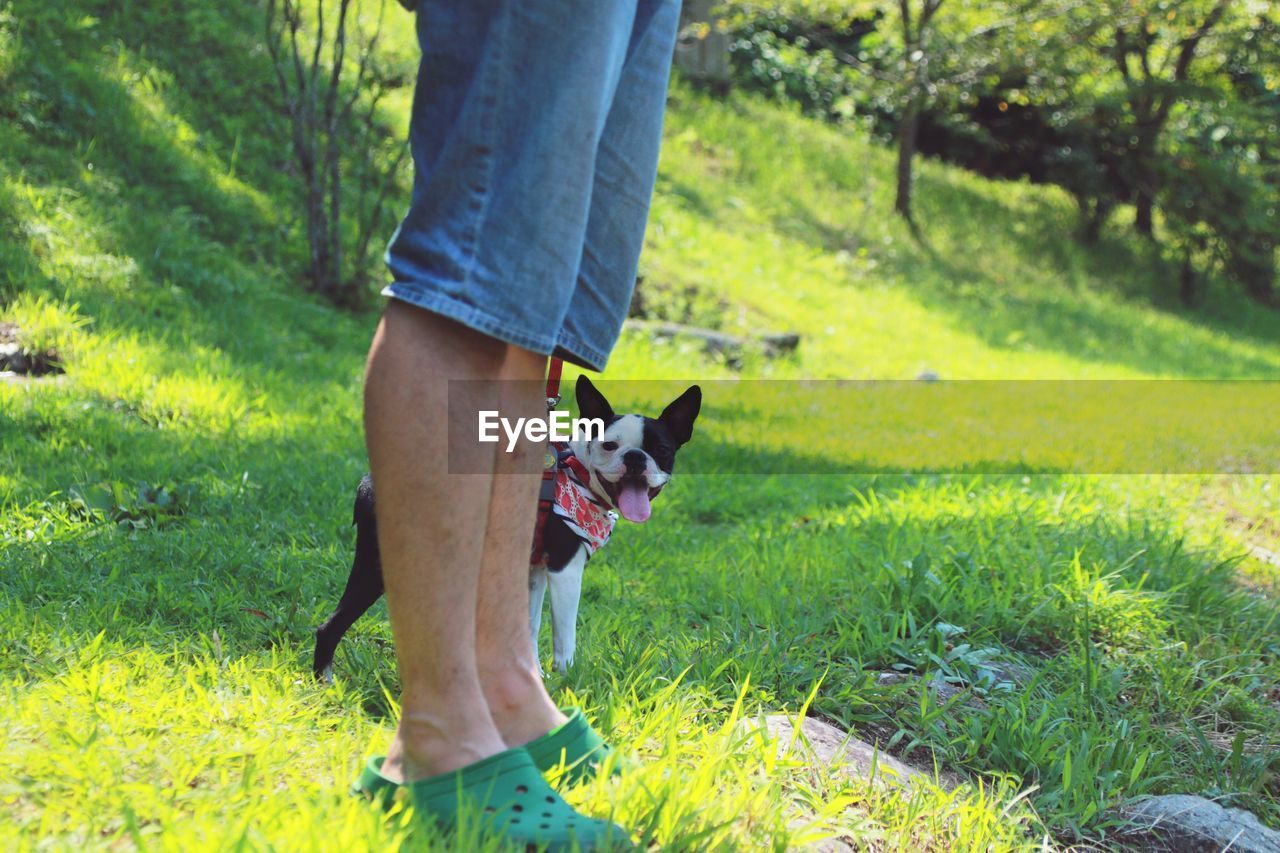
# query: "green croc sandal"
[571,753]
[511,800]
[375,787]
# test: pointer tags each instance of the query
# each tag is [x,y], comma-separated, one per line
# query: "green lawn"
[155,673]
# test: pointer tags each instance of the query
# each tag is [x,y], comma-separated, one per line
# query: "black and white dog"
[591,484]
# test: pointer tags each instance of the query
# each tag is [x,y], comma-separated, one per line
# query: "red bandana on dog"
[566,493]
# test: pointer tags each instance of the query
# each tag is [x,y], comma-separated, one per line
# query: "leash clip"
[553,400]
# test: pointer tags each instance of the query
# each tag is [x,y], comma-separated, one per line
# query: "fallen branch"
[720,343]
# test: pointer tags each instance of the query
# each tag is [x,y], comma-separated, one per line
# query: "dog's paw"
[563,664]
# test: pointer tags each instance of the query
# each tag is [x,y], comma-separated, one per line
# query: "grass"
[43,325]
[174,516]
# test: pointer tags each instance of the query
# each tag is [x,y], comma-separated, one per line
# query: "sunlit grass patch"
[176,749]
[42,325]
[143,746]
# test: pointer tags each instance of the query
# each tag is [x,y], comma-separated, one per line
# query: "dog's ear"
[680,415]
[591,403]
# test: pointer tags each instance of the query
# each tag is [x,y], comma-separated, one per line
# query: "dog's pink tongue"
[633,502]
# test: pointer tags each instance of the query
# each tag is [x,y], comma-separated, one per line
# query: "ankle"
[519,704]
[428,744]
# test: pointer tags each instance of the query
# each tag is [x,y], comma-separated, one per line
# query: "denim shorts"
[535,134]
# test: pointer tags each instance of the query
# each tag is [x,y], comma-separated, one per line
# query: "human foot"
[570,754]
[428,744]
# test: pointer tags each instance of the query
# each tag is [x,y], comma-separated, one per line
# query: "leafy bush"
[768,55]
[1219,201]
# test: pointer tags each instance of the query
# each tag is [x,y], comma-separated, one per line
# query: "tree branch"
[315,54]
[930,9]
[1190,44]
[1120,53]
[273,49]
[1186,55]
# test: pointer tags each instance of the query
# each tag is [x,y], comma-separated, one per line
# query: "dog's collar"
[567,460]
[566,491]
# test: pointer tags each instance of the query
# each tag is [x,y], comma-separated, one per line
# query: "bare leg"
[505,655]
[431,531]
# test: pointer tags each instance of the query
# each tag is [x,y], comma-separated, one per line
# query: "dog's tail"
[364,585]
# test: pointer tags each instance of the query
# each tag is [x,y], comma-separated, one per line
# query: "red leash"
[554,370]
[547,491]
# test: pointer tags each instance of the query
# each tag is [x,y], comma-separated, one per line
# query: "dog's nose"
[635,461]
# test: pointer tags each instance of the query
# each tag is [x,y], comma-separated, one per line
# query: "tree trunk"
[908,128]
[1261,291]
[317,228]
[1146,183]
[1143,219]
[1188,291]
[1093,215]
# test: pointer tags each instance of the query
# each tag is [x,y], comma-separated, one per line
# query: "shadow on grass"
[173,184]
[1060,316]
[270,530]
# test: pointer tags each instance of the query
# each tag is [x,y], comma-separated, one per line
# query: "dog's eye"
[610,446]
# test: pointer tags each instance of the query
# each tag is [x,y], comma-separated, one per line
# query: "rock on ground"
[1183,823]
[941,691]
[828,746]
[821,744]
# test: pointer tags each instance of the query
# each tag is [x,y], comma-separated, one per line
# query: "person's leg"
[509,111]
[431,532]
[505,656]
[625,167]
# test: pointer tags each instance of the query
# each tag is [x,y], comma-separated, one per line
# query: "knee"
[418,326]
